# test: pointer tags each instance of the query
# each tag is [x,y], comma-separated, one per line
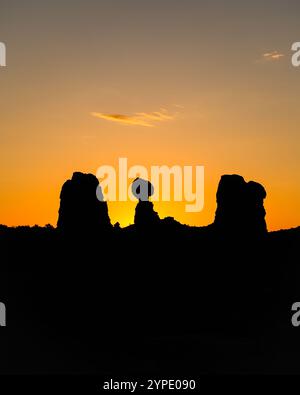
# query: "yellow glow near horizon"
[196,74]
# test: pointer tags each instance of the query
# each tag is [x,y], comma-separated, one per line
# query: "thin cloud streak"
[146,119]
[274,55]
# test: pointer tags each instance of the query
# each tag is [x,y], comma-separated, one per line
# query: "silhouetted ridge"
[240,209]
[80,210]
[145,297]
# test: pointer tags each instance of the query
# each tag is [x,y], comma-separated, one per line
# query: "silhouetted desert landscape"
[88,296]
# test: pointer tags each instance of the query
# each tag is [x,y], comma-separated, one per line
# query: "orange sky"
[190,82]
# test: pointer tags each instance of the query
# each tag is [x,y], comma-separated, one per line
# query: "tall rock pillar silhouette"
[80,211]
[145,216]
[240,209]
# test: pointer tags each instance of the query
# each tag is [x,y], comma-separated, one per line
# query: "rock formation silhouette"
[145,216]
[132,299]
[240,209]
[81,212]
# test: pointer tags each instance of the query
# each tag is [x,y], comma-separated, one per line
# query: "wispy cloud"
[273,55]
[148,119]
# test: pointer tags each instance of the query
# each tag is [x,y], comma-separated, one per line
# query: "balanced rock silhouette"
[145,216]
[240,209]
[81,212]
